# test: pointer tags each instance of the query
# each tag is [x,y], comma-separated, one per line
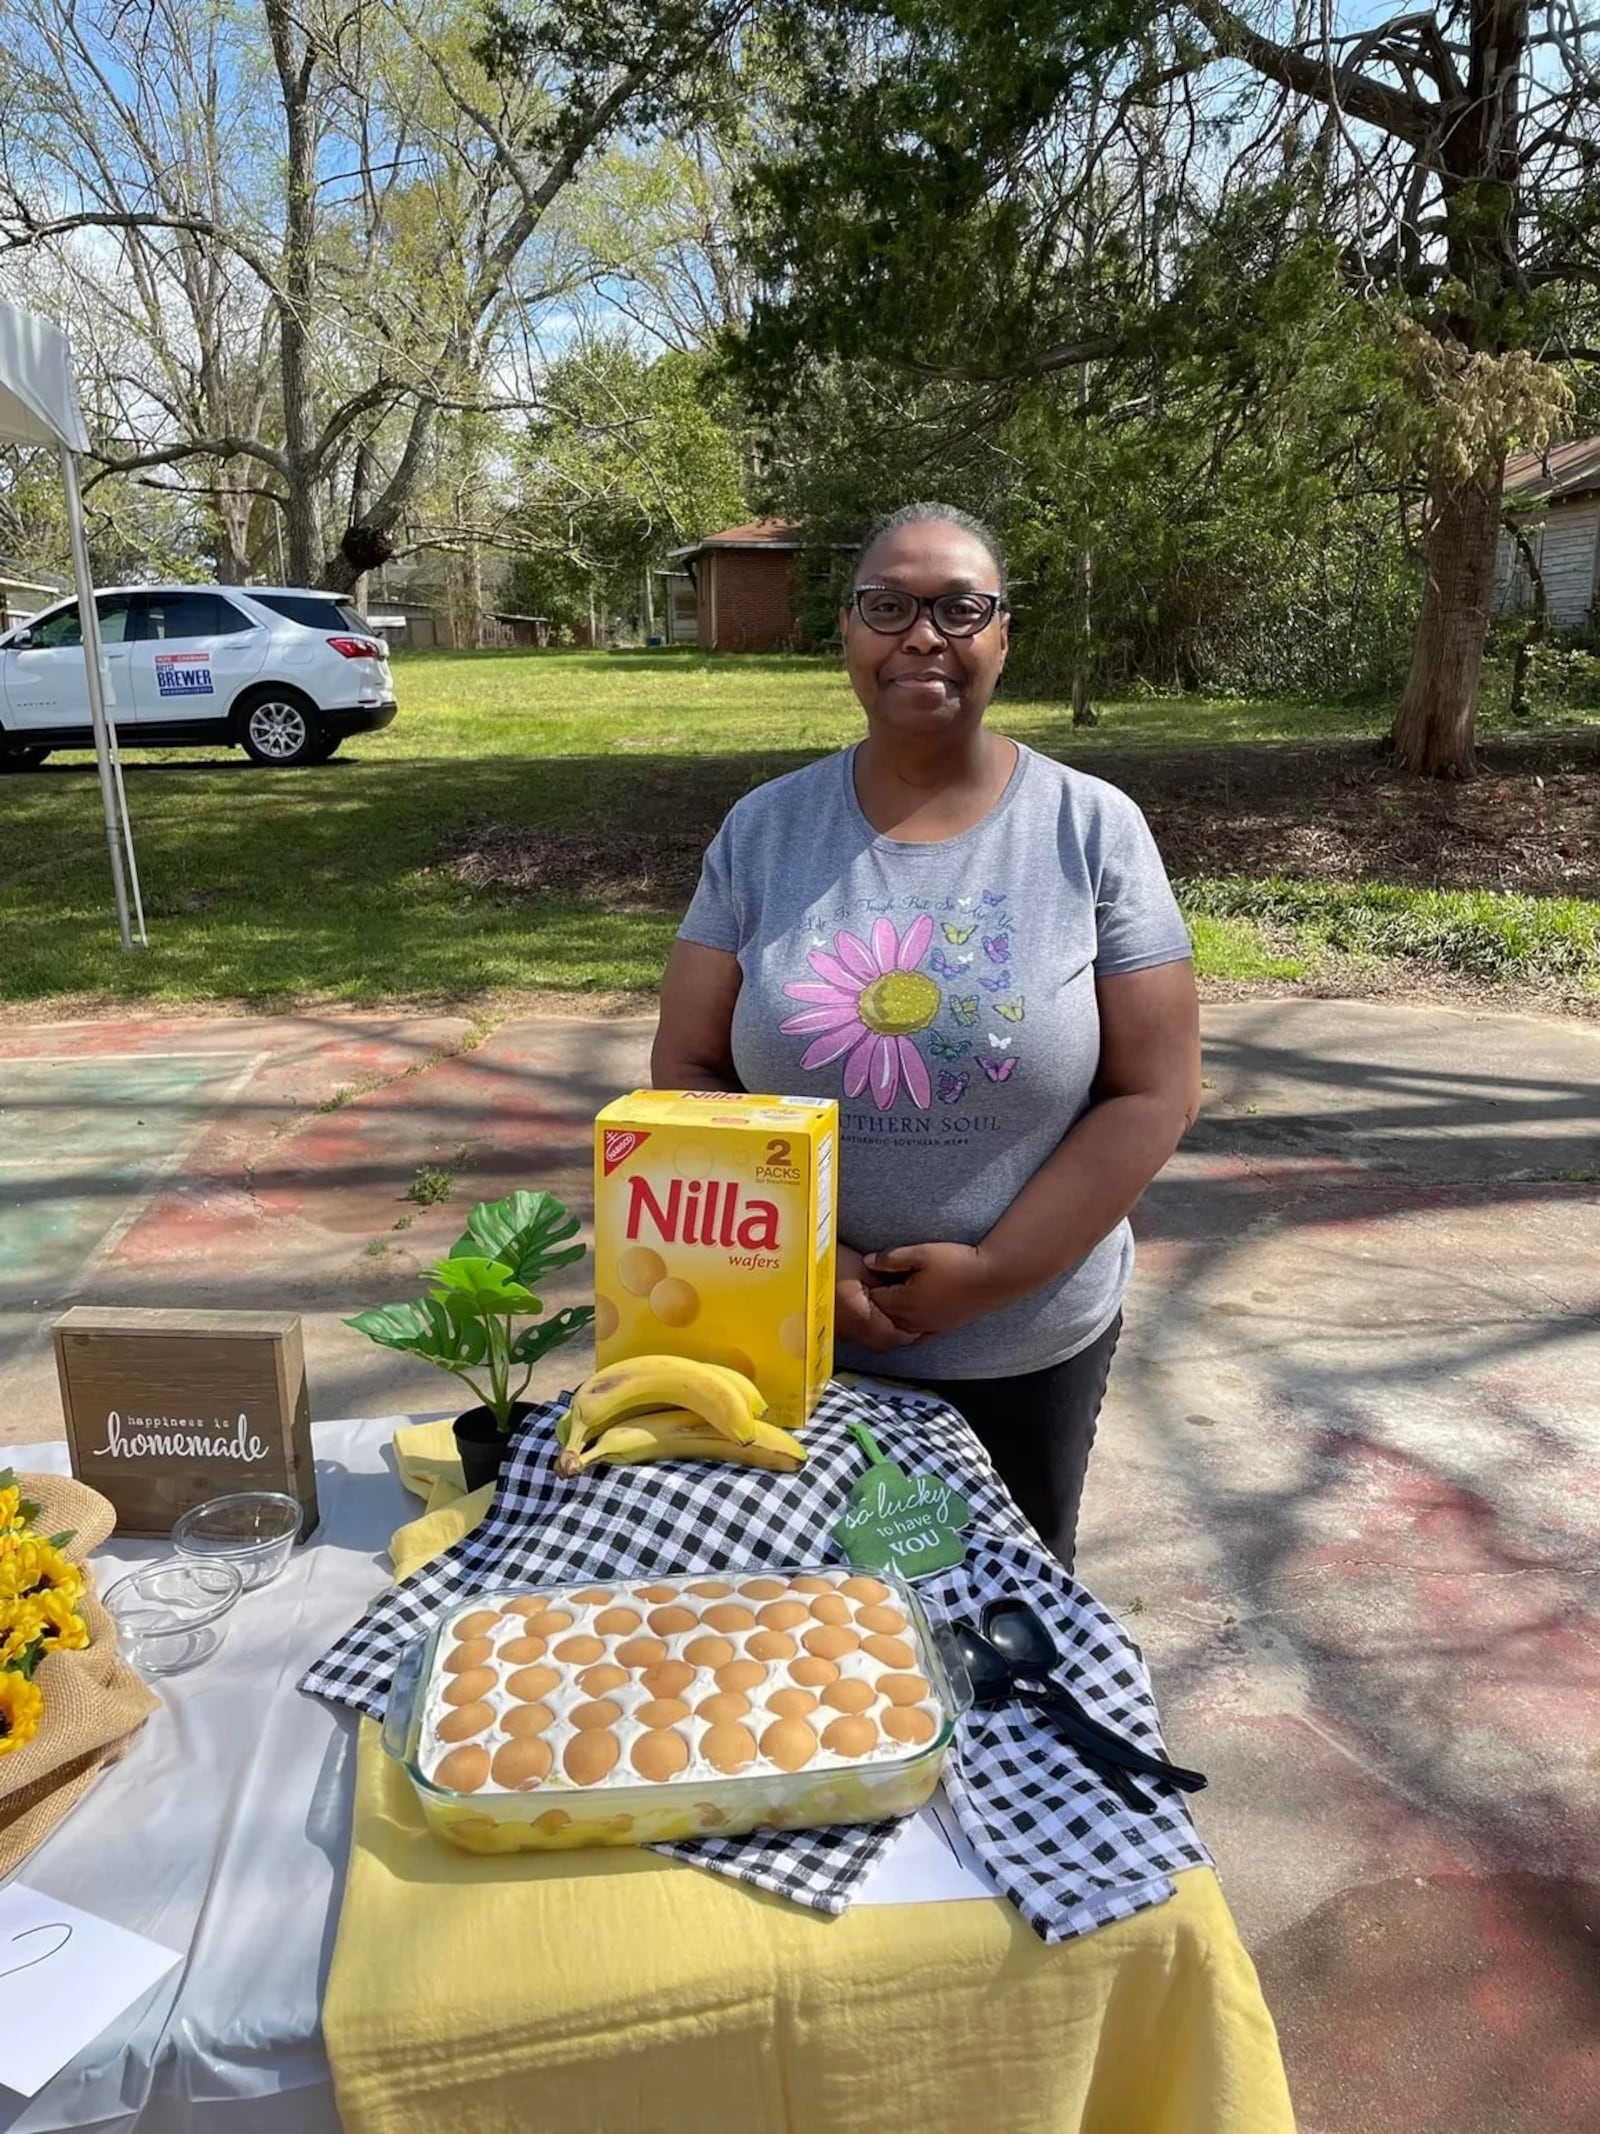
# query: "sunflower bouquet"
[40,1592]
[69,1703]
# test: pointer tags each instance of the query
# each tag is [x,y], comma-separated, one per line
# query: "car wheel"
[15,758]
[281,728]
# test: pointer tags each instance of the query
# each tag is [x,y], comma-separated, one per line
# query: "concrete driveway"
[1347,1491]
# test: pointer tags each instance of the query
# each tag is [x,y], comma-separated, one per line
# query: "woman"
[976,949]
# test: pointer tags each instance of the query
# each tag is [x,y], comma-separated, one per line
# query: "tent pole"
[128,852]
[94,674]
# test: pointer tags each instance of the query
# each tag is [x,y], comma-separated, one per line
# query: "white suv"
[283,672]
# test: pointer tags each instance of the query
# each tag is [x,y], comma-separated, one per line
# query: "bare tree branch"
[195,448]
[32,232]
[1392,111]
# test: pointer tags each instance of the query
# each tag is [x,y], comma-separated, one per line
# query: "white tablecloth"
[223,1834]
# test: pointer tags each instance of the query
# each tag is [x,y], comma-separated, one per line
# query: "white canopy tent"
[39,406]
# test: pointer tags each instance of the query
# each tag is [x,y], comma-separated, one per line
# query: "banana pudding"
[625,1712]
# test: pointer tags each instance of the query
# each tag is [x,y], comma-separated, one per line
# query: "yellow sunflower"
[30,1566]
[10,1507]
[21,1709]
[64,1628]
[20,1623]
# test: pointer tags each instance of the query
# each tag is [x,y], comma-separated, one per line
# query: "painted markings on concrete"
[83,1142]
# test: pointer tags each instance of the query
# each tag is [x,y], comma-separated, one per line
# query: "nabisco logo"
[709,1214]
[620,1143]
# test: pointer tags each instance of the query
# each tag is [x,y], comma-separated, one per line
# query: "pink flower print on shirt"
[871,1001]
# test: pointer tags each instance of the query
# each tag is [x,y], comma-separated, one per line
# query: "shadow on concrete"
[1405,1532]
[1380,1987]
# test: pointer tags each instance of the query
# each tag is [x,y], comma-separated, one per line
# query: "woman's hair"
[946,515]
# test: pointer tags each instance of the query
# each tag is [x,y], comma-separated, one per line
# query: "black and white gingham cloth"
[1064,1849]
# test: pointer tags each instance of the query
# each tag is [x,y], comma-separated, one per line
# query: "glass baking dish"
[639,1660]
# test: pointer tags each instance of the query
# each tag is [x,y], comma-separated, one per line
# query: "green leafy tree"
[1223,550]
[998,195]
[633,457]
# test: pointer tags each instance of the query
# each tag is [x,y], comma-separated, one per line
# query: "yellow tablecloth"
[621,1993]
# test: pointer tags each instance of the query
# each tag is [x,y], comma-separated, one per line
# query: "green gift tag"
[911,1522]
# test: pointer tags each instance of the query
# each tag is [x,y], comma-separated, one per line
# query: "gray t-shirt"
[945,994]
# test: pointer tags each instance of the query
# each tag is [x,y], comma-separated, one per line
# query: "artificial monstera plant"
[467,1323]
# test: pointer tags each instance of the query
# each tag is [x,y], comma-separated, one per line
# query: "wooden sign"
[167,1408]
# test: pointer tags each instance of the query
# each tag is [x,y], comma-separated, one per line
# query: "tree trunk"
[302,525]
[360,490]
[1538,622]
[232,516]
[302,514]
[1083,711]
[368,542]
[1432,731]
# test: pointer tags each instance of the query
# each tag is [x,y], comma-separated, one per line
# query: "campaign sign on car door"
[183,674]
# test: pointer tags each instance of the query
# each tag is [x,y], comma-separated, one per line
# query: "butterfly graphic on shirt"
[1000,1044]
[999,983]
[946,966]
[957,935]
[946,1048]
[952,1087]
[999,1070]
[992,897]
[964,1011]
[997,947]
[1011,1010]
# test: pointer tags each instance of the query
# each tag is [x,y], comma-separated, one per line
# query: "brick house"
[745,587]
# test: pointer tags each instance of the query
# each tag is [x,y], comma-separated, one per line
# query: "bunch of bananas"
[671,1408]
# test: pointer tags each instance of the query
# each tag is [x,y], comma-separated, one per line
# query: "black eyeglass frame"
[928,605]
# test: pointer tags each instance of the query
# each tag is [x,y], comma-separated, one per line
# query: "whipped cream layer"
[663,1681]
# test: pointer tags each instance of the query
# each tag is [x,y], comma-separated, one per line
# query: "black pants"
[1038,1429]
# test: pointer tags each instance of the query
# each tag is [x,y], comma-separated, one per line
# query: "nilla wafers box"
[714,1236]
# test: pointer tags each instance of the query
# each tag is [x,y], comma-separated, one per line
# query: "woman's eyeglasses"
[889,611]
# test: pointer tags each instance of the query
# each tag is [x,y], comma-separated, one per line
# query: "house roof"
[1556,475]
[755,533]
[29,578]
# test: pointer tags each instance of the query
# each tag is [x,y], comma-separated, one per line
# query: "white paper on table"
[929,1863]
[64,1975]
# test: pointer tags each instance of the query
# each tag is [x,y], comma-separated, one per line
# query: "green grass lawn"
[275,886]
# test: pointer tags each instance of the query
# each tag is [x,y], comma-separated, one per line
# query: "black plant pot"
[479,1445]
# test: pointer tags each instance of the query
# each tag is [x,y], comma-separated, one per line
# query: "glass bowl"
[173,1615]
[254,1530]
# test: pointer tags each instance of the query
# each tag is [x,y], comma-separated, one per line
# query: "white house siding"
[1567,544]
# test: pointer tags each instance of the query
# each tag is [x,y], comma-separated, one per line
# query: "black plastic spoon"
[1021,1637]
[995,1683]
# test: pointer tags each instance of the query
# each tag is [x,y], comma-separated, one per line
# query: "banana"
[723,1398]
[748,1391]
[678,1434]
